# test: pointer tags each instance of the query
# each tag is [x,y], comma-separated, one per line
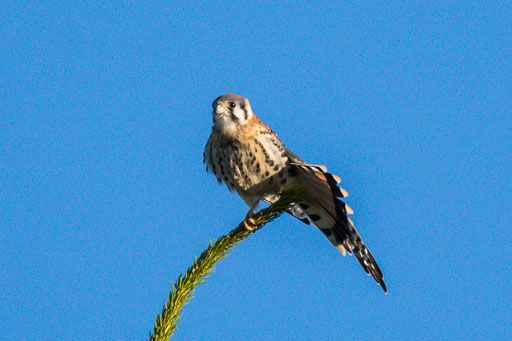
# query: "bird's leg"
[249,221]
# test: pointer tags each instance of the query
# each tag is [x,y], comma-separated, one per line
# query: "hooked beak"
[220,110]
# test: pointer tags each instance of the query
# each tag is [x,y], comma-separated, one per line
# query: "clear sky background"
[106,108]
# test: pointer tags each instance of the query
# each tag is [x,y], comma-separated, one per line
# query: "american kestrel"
[250,159]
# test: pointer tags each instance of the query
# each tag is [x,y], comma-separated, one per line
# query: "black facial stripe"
[242,106]
[232,114]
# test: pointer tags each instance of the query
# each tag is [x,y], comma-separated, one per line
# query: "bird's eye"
[232,104]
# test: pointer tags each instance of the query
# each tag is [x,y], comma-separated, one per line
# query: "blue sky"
[105,110]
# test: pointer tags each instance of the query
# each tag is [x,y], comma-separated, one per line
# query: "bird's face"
[230,112]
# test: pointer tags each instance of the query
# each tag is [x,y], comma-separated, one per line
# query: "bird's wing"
[323,208]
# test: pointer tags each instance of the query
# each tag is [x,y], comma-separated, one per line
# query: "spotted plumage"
[251,160]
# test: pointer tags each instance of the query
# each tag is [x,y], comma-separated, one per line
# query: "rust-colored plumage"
[249,158]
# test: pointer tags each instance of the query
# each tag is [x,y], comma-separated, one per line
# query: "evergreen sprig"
[197,273]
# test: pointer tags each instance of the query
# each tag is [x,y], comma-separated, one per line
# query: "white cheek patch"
[227,121]
[240,115]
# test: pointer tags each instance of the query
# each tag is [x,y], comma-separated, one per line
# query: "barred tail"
[323,208]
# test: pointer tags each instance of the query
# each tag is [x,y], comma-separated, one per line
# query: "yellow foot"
[249,224]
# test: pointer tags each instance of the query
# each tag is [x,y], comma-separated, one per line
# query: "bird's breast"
[248,164]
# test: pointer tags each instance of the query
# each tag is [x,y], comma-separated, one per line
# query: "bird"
[251,160]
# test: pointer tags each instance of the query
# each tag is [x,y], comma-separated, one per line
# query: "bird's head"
[231,111]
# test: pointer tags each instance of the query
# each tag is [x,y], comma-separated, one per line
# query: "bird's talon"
[249,224]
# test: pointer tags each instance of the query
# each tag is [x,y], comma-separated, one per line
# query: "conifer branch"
[203,266]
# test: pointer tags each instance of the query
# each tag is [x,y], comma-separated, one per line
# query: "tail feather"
[323,208]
